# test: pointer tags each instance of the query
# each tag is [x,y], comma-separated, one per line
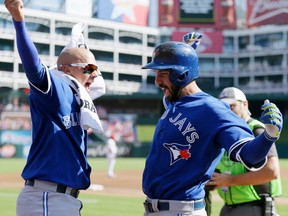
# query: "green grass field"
[106,205]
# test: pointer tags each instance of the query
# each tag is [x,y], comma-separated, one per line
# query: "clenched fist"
[15,9]
[272,118]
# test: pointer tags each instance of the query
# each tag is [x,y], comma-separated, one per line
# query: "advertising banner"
[15,143]
[265,12]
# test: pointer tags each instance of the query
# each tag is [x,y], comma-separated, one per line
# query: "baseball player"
[191,134]
[111,154]
[62,112]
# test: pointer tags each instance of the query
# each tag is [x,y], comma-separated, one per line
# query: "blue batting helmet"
[180,58]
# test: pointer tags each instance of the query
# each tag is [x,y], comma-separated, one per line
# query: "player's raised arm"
[33,68]
[253,152]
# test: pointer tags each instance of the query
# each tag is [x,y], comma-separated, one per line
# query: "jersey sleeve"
[32,65]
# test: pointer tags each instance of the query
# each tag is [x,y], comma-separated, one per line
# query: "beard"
[174,94]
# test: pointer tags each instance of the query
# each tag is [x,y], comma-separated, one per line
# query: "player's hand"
[219,180]
[193,39]
[15,9]
[272,118]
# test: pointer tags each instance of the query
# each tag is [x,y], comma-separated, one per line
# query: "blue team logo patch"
[177,152]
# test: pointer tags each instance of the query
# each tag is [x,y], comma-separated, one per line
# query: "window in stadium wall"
[63,28]
[130,77]
[273,40]
[43,49]
[107,75]
[4,66]
[206,84]
[226,65]
[207,65]
[101,36]
[103,55]
[130,59]
[152,40]
[5,22]
[37,24]
[244,41]
[244,81]
[244,64]
[228,45]
[225,81]
[58,50]
[268,63]
[6,45]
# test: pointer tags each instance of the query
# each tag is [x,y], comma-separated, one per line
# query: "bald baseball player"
[62,111]
[191,134]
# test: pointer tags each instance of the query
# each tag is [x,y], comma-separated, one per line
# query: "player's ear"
[65,69]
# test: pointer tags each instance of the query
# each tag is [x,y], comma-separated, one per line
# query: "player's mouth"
[87,86]
[165,91]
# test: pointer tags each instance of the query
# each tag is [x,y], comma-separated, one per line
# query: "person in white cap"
[243,192]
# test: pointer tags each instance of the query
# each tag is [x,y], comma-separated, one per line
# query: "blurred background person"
[111,154]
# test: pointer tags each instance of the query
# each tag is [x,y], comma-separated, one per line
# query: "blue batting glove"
[193,39]
[273,120]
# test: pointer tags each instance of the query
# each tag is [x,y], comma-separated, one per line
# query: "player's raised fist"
[193,39]
[15,9]
[272,118]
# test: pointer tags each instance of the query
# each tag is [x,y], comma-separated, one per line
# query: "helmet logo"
[156,53]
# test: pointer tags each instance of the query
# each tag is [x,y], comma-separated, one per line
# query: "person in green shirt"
[244,192]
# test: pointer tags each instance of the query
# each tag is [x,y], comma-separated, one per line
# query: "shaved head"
[75,55]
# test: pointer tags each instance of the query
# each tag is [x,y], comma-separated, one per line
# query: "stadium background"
[243,46]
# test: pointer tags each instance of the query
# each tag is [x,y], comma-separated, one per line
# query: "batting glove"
[193,39]
[273,120]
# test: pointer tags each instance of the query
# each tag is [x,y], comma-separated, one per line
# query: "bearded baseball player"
[61,111]
[192,133]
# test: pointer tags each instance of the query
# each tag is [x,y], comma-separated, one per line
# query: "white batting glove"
[193,39]
[273,120]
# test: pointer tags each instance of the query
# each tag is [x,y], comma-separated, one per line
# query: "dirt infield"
[126,183]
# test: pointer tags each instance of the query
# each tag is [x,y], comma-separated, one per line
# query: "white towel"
[88,113]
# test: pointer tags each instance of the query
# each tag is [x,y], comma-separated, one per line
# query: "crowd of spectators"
[14,117]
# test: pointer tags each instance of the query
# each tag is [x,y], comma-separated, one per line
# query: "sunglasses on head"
[87,68]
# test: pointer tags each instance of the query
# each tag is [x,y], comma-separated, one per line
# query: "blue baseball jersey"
[188,143]
[59,144]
